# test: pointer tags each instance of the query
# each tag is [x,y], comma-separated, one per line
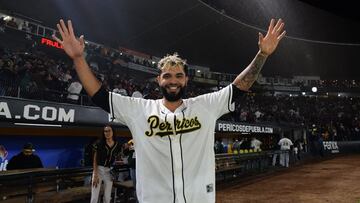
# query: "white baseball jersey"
[175,160]
[285,143]
[255,144]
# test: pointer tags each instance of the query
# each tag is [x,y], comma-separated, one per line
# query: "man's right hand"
[72,46]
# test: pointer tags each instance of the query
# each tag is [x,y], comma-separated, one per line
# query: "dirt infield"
[335,180]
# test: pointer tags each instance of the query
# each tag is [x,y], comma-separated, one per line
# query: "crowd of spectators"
[35,74]
[340,84]
[38,76]
[332,84]
[336,118]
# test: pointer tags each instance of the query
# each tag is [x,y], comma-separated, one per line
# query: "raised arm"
[267,46]
[74,48]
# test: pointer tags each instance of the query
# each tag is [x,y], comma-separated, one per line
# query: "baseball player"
[285,144]
[173,137]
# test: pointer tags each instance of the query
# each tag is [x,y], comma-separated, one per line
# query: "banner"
[331,146]
[222,126]
[40,113]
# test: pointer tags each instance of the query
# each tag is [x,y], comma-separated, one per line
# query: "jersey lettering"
[164,128]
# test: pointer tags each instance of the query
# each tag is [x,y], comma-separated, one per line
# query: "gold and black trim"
[164,128]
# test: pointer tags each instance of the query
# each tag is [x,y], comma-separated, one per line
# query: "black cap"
[29,146]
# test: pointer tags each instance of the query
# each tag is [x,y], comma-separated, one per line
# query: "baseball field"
[332,180]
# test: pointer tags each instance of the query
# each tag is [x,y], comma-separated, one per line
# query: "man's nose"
[173,81]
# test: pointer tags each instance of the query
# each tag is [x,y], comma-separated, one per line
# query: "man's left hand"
[275,33]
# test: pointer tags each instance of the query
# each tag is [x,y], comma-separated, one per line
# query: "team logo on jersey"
[164,128]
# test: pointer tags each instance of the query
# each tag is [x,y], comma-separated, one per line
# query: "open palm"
[275,33]
[73,47]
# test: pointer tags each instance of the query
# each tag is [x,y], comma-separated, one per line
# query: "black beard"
[172,97]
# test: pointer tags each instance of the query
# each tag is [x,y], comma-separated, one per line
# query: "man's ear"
[187,79]
[158,79]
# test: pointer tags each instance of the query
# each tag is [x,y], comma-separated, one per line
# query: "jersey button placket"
[177,159]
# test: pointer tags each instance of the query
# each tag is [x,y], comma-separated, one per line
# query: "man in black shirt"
[25,159]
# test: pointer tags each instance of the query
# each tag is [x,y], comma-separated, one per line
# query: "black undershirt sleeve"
[237,93]
[101,99]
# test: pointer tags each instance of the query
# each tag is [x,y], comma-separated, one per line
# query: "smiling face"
[172,82]
[172,79]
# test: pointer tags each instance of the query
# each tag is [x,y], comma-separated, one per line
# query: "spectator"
[132,163]
[66,77]
[74,91]
[255,144]
[137,94]
[12,23]
[298,149]
[105,152]
[236,146]
[25,159]
[219,147]
[120,90]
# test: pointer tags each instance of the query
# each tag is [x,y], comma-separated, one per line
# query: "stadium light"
[303,93]
[314,89]
[7,18]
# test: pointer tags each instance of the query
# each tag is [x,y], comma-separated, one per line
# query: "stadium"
[190,101]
